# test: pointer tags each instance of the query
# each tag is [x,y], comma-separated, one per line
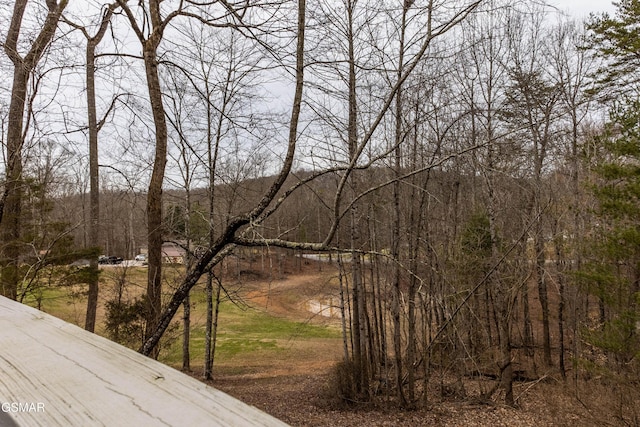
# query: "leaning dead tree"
[221,246]
[236,231]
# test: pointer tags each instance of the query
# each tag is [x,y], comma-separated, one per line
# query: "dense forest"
[475,164]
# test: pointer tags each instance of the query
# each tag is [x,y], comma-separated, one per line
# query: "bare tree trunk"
[560,266]
[488,313]
[94,188]
[528,327]
[506,368]
[154,195]
[360,353]
[11,198]
[395,238]
[503,300]
[186,333]
[214,331]
[396,282]
[379,346]
[543,293]
[502,291]
[154,23]
[417,240]
[186,304]
[358,328]
[345,313]
[94,182]
[382,309]
[208,334]
[211,330]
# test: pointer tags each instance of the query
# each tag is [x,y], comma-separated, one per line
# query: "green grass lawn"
[244,333]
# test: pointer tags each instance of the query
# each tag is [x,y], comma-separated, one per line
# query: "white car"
[141,257]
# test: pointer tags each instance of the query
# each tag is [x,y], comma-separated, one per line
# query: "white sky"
[581,8]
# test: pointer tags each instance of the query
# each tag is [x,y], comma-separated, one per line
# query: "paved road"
[125,263]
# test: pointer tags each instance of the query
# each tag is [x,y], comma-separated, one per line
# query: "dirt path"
[296,296]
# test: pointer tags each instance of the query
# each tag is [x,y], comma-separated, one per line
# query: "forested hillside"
[473,164]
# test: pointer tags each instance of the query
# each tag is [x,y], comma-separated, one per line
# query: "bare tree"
[483,81]
[532,104]
[571,67]
[150,33]
[149,22]
[186,163]
[24,64]
[216,252]
[93,128]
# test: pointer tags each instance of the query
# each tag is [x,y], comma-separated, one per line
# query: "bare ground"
[299,401]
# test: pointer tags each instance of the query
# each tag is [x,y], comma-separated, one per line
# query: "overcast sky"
[581,8]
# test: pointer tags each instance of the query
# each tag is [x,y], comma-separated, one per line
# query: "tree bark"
[359,329]
[396,225]
[223,243]
[94,184]
[154,194]
[11,198]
